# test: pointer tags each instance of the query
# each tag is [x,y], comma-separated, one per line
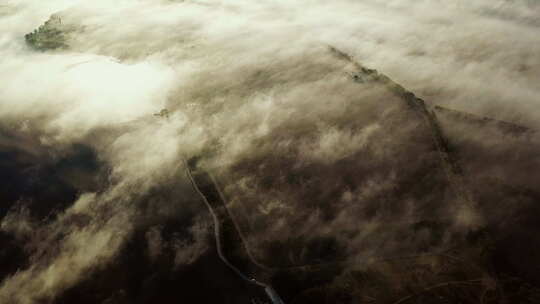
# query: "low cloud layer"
[251,87]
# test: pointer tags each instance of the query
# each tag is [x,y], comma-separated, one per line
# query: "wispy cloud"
[252,88]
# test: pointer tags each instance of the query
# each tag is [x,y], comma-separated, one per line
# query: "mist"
[252,89]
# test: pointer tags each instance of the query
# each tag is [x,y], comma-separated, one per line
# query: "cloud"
[252,88]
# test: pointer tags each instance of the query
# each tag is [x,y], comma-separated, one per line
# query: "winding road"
[272,294]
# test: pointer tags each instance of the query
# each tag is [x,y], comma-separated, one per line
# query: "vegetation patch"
[48,36]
